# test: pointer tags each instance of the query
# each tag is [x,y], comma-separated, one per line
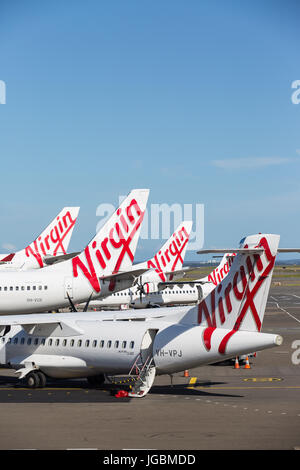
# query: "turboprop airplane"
[163,267]
[49,247]
[100,269]
[157,293]
[224,325]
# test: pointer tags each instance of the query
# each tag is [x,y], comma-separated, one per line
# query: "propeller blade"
[87,304]
[72,306]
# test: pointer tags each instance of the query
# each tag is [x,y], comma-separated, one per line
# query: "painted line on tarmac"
[249,388]
[288,313]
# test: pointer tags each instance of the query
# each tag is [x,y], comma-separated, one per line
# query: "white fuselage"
[46,289]
[183,294]
[90,345]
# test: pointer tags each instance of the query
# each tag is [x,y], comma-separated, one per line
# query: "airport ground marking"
[288,313]
[262,379]
[192,382]
[294,387]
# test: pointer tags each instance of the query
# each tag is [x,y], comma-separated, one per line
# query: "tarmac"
[217,407]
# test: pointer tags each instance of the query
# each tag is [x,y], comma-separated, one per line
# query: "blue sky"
[190,99]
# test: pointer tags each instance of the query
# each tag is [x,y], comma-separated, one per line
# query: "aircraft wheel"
[42,379]
[32,380]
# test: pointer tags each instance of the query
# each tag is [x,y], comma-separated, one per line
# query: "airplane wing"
[57,259]
[39,325]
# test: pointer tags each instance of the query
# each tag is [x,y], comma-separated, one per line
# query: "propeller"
[72,306]
[140,287]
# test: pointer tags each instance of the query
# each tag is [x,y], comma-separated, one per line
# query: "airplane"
[49,247]
[144,344]
[163,267]
[101,268]
[157,293]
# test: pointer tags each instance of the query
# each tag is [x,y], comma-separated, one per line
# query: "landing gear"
[96,380]
[42,379]
[35,379]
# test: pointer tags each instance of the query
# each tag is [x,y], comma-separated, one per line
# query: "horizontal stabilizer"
[288,250]
[57,259]
[246,251]
[123,276]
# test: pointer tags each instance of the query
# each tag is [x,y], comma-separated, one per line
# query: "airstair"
[144,378]
[142,373]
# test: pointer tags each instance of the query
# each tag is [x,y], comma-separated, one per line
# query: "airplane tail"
[53,241]
[113,248]
[219,273]
[170,257]
[239,301]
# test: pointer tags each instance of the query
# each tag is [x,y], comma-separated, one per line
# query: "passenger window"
[16,341]
[57,342]
[11,288]
[87,343]
[22,340]
[109,344]
[50,342]
[17,287]
[45,287]
[101,344]
[22,288]
[131,344]
[124,344]
[64,343]
[43,341]
[72,342]
[29,341]
[94,343]
[116,344]
[40,287]
[34,288]
[36,341]
[79,343]
[28,287]
[5,288]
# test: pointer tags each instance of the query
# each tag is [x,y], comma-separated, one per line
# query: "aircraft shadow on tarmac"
[189,390]
[82,385]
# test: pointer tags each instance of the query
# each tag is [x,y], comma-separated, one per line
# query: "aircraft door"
[69,287]
[147,344]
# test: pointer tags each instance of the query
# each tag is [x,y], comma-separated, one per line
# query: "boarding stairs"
[145,375]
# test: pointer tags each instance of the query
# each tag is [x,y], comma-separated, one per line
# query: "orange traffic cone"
[236,364]
[247,365]
[186,373]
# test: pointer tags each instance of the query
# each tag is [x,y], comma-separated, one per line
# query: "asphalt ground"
[215,407]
